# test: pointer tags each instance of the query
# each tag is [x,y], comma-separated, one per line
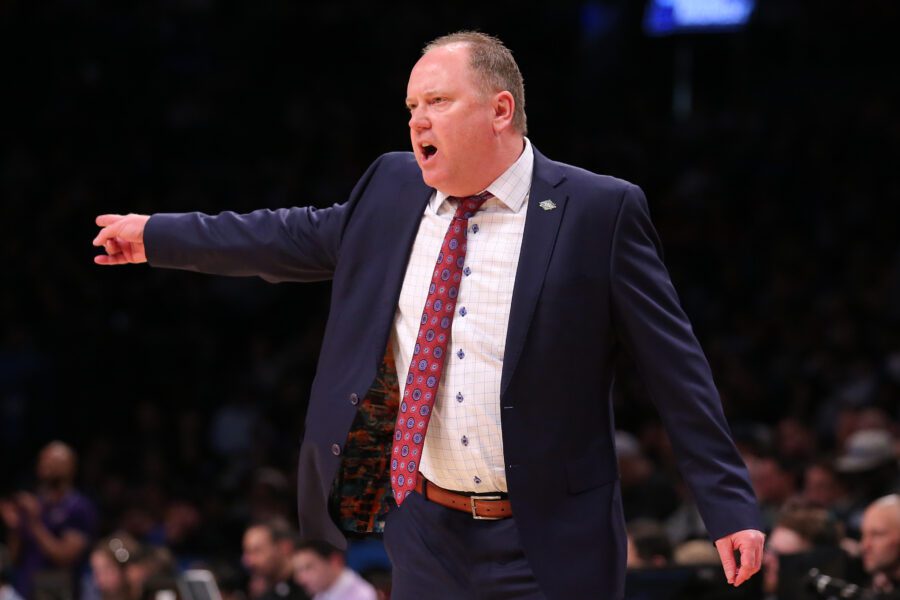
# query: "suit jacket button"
[336,449]
[354,399]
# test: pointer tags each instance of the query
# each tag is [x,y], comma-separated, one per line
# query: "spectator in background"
[150,571]
[268,547]
[320,568]
[50,532]
[880,544]
[795,440]
[648,545]
[823,487]
[799,528]
[108,560]
[869,466]
[646,492]
[774,483]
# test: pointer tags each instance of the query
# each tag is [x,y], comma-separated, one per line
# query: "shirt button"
[467,271]
[475,228]
[354,399]
[459,397]
[463,311]
[461,354]
[465,441]
[476,479]
[336,449]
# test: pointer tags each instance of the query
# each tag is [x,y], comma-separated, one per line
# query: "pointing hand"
[122,237]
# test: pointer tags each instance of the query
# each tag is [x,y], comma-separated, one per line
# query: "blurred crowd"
[183,397]
[53,550]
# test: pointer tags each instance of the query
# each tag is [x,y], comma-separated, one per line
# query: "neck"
[336,574]
[509,148]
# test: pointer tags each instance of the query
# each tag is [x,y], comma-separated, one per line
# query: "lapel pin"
[547,204]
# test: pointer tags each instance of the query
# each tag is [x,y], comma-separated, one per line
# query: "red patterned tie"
[427,364]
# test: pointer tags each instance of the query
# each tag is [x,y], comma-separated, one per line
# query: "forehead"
[886,517]
[442,67]
[257,536]
[307,558]
[785,540]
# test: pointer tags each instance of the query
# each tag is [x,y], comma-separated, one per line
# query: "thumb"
[726,555]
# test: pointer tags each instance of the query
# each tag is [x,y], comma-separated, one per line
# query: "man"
[320,569]
[545,272]
[268,547]
[50,533]
[880,543]
[799,528]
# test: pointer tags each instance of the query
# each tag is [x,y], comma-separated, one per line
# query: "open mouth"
[428,151]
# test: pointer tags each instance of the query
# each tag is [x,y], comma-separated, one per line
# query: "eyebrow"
[430,92]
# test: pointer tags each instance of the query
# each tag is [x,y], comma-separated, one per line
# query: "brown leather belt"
[481,506]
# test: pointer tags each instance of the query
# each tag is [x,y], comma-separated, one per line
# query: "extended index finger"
[108,219]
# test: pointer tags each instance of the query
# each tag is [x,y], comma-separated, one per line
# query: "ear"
[504,108]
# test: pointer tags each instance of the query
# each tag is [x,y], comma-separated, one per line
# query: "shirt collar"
[511,188]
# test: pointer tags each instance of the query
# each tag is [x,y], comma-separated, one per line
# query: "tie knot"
[469,205]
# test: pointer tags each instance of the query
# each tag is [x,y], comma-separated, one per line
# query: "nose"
[418,120]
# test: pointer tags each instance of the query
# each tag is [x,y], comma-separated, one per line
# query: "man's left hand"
[747,542]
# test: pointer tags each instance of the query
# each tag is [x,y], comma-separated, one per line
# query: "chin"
[433,180]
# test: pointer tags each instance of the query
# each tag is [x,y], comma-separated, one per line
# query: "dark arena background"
[768,151]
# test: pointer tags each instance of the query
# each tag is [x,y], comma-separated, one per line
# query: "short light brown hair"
[494,67]
[814,524]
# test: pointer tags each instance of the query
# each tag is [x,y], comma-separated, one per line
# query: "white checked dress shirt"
[463,447]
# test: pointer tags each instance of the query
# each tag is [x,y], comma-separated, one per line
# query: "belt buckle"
[474,499]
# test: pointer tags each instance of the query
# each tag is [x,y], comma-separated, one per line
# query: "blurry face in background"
[880,543]
[314,573]
[261,556]
[782,541]
[108,577]
[821,487]
[770,482]
[451,113]
[55,467]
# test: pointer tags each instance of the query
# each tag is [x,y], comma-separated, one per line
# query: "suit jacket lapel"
[539,238]
[399,226]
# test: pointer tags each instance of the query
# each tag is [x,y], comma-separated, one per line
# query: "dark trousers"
[440,553]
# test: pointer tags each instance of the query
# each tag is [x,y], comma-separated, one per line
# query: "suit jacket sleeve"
[659,337]
[287,244]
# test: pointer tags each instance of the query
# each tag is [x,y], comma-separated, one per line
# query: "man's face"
[821,487]
[451,123]
[55,467]
[108,577]
[314,573]
[261,555]
[880,542]
[782,541]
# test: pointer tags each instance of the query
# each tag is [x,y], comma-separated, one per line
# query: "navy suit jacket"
[590,282]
